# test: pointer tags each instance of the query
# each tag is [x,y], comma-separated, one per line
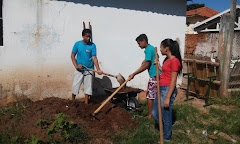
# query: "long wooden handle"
[103,72]
[108,99]
[159,100]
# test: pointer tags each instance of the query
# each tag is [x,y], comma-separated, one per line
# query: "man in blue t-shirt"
[86,56]
[148,63]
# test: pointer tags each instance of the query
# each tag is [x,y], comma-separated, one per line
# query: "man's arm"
[145,65]
[75,62]
[95,61]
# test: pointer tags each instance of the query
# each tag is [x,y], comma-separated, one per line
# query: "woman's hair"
[175,50]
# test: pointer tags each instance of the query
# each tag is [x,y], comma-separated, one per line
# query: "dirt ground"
[111,118]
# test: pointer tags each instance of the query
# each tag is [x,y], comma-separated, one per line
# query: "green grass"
[13,110]
[234,100]
[144,134]
[187,129]
[194,121]
[11,136]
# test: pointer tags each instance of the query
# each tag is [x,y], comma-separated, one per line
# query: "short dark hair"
[142,37]
[86,31]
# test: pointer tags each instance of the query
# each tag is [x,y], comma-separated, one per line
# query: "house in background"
[38,36]
[207,39]
[197,15]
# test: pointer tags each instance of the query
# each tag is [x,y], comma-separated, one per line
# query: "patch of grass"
[233,100]
[33,140]
[190,122]
[13,110]
[119,138]
[78,134]
[10,135]
[228,122]
[185,112]
[144,134]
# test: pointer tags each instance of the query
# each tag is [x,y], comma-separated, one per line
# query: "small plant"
[42,123]
[69,131]
[61,126]
[13,110]
[33,140]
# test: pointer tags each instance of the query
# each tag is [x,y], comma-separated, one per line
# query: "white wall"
[39,35]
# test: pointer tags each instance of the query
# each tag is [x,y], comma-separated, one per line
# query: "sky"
[218,5]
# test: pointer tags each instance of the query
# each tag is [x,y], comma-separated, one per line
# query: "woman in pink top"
[171,68]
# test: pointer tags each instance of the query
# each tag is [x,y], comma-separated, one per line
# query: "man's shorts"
[152,88]
[85,77]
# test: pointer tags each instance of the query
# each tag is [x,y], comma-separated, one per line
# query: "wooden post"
[159,100]
[225,47]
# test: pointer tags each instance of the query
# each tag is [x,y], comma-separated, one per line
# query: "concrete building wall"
[39,36]
[203,43]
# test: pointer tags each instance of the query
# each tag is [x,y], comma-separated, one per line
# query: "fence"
[201,68]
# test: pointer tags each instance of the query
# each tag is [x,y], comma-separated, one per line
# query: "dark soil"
[111,118]
[124,90]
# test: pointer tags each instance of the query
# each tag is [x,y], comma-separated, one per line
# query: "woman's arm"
[160,68]
[171,88]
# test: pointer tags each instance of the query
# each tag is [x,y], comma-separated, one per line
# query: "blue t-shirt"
[150,56]
[85,52]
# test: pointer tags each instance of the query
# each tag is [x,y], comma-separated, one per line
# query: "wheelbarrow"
[126,95]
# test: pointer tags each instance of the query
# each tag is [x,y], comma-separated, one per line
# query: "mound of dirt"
[111,118]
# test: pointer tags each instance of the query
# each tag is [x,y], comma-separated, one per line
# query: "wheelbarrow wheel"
[132,104]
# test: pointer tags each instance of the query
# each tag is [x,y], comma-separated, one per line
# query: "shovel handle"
[96,71]
[159,100]
[108,99]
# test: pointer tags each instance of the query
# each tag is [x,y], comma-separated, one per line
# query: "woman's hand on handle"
[156,62]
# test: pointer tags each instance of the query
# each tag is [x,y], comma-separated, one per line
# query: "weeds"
[144,134]
[10,135]
[233,100]
[33,140]
[13,110]
[69,131]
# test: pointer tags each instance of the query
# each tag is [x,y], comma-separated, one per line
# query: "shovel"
[119,77]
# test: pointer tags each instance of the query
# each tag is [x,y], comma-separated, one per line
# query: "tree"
[194,6]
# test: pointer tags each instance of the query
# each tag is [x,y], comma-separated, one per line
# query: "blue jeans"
[166,112]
